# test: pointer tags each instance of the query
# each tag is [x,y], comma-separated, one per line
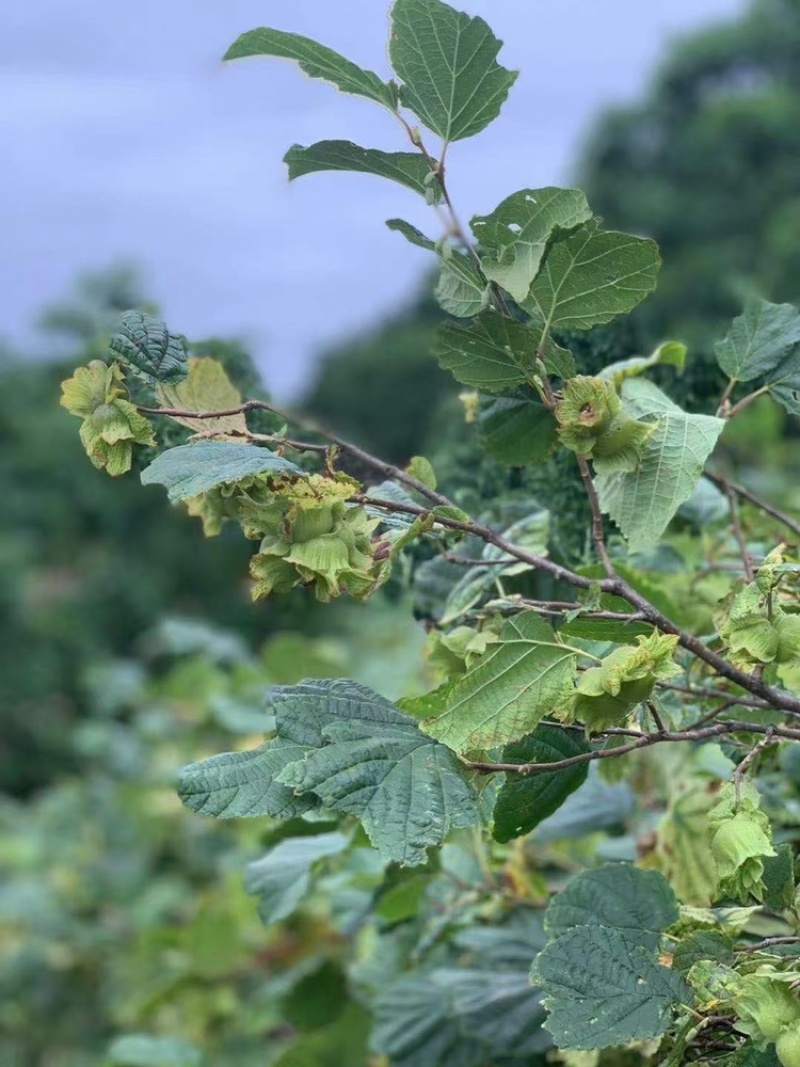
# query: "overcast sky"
[122,137]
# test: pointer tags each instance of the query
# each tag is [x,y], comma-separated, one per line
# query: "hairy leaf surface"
[407,790]
[448,64]
[642,502]
[190,470]
[509,691]
[237,784]
[406,168]
[639,903]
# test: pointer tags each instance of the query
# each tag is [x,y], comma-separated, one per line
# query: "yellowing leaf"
[205,388]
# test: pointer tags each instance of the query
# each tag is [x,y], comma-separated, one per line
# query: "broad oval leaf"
[145,343]
[602,988]
[518,681]
[282,878]
[376,764]
[448,64]
[640,903]
[406,168]
[317,61]
[758,340]
[513,238]
[192,469]
[642,502]
[524,801]
[589,276]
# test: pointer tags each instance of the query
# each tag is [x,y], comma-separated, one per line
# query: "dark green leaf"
[412,234]
[236,784]
[778,878]
[523,802]
[459,1018]
[517,432]
[316,61]
[461,290]
[513,239]
[190,470]
[146,344]
[702,945]
[282,878]
[317,1000]
[342,1043]
[602,988]
[407,790]
[406,168]
[589,276]
[448,64]
[640,903]
[758,340]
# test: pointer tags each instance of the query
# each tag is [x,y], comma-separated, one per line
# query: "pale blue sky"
[122,137]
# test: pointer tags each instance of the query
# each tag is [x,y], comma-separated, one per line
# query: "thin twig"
[768,942]
[749,760]
[774,697]
[597,518]
[736,526]
[645,741]
[757,501]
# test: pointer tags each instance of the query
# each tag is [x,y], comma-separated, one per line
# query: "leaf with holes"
[145,343]
[602,988]
[496,354]
[528,674]
[406,168]
[514,238]
[447,62]
[317,61]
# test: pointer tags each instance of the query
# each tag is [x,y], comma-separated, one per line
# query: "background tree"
[708,163]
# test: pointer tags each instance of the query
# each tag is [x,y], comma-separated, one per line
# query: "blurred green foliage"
[708,163]
[88,563]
